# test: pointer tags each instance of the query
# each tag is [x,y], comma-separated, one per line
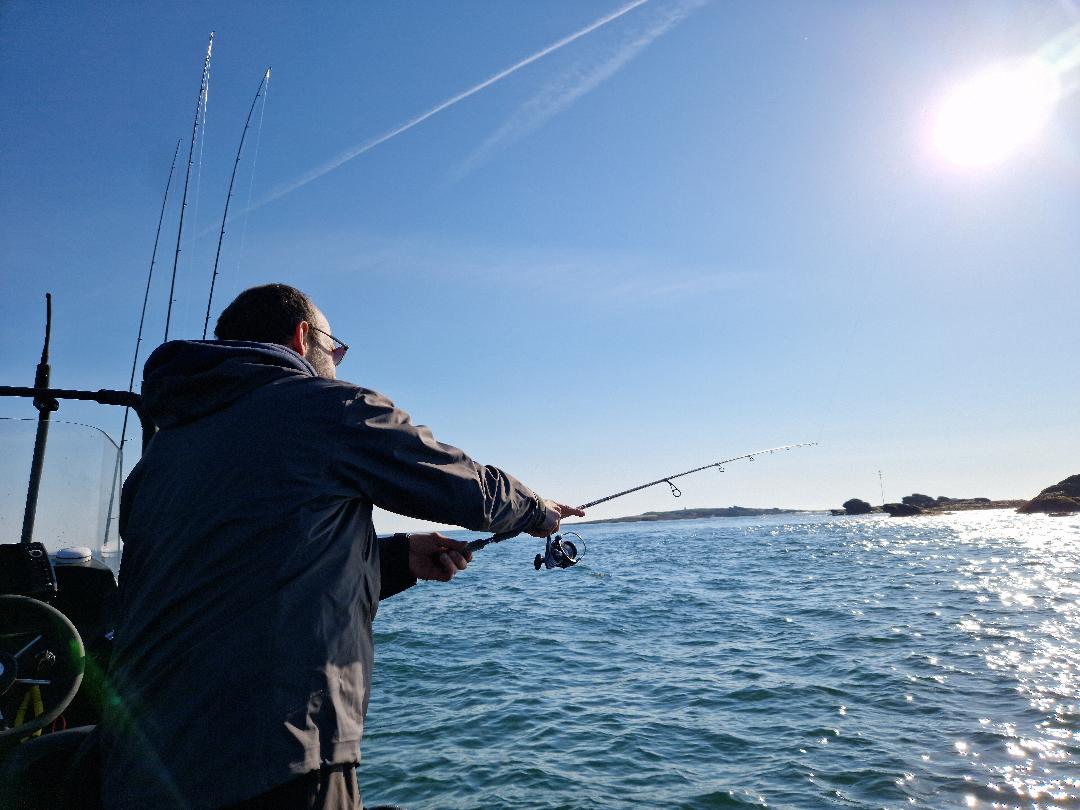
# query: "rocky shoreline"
[694,514]
[917,504]
[1062,498]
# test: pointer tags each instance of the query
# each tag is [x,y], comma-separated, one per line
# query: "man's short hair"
[266,314]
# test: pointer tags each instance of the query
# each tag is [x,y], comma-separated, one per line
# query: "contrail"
[552,100]
[367,146]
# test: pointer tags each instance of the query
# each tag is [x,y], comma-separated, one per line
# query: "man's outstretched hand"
[555,513]
[434,557]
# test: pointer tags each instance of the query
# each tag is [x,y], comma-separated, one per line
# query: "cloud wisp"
[572,85]
[603,278]
[367,146]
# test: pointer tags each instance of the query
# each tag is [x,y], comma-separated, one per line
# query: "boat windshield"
[79,497]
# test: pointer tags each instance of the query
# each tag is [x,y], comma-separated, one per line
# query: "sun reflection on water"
[1025,576]
[930,663]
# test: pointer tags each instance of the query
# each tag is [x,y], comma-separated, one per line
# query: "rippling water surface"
[796,661]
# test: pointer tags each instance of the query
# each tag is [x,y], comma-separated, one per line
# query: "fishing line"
[832,397]
[853,322]
[104,433]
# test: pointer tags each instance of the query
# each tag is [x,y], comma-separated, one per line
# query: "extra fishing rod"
[561,553]
[118,474]
[224,217]
[187,178]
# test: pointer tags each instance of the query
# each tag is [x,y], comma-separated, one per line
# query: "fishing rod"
[117,475]
[187,178]
[263,84]
[562,553]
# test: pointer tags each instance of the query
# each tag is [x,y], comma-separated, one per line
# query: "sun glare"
[987,118]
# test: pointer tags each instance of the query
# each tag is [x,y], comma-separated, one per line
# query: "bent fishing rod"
[263,86]
[562,553]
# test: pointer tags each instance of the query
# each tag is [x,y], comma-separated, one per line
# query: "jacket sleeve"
[394,565]
[401,467]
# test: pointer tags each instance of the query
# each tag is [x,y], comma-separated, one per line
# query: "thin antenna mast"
[187,179]
[224,217]
[45,406]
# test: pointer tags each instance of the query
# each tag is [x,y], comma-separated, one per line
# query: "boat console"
[47,706]
[57,604]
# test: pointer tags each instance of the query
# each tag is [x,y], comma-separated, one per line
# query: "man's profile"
[251,570]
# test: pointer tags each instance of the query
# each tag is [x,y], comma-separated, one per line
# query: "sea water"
[792,661]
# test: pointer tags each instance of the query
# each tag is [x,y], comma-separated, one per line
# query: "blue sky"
[692,230]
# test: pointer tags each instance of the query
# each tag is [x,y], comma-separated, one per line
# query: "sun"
[989,117]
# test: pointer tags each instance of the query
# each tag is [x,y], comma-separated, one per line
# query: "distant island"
[695,514]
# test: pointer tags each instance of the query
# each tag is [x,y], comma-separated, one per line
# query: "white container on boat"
[73,555]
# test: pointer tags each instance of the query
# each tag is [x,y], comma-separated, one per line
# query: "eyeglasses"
[338,352]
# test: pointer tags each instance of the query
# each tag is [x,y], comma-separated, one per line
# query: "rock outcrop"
[1064,496]
[857,507]
[919,504]
[919,500]
[902,509]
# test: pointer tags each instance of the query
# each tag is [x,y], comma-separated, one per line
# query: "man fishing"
[251,572]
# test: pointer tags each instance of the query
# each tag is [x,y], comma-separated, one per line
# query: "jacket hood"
[185,380]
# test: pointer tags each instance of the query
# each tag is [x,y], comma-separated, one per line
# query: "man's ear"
[298,342]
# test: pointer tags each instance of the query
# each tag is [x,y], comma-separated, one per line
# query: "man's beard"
[322,362]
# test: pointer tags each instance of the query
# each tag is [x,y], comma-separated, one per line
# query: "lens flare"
[990,116]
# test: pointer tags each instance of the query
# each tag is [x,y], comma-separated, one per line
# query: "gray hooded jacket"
[251,571]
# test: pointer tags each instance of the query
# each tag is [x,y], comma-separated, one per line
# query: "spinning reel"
[559,552]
